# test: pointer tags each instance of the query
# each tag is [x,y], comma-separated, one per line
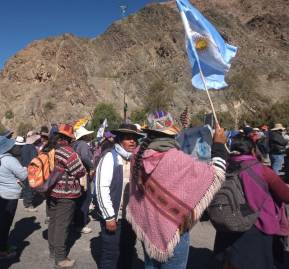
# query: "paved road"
[29,233]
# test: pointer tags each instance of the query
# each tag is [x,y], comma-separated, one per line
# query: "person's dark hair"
[106,144]
[242,144]
[138,165]
[52,144]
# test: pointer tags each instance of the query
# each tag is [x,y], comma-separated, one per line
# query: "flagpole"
[209,96]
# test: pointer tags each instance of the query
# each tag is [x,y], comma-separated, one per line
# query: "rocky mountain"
[62,78]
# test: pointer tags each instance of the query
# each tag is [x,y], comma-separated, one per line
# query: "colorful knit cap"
[162,121]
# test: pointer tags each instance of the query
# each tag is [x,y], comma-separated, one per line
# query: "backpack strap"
[257,178]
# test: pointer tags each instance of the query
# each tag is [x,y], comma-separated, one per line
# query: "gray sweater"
[11,171]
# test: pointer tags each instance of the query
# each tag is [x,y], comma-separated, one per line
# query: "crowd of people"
[145,184]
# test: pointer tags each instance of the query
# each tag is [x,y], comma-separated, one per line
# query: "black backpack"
[229,210]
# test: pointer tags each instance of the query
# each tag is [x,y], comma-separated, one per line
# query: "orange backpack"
[40,168]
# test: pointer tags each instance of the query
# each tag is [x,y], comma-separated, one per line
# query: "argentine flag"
[208,53]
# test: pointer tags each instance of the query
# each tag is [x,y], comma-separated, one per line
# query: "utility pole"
[125,106]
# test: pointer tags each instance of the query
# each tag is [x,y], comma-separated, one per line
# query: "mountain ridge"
[63,78]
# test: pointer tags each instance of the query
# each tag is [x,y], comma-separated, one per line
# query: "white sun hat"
[20,141]
[80,132]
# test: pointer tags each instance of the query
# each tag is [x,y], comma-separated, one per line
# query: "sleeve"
[219,158]
[86,156]
[103,178]
[19,171]
[278,187]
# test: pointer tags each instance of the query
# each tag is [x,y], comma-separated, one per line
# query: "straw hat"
[66,130]
[81,131]
[161,122]
[127,128]
[278,126]
[32,137]
[6,144]
[20,141]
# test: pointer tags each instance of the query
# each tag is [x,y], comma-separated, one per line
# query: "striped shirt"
[68,186]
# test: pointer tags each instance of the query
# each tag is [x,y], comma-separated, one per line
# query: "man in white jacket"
[112,191]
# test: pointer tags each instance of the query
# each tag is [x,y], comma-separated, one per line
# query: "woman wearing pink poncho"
[170,191]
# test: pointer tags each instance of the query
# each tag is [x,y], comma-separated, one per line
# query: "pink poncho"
[177,187]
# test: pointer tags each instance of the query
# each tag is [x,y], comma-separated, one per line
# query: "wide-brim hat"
[6,133]
[6,144]
[81,131]
[66,129]
[32,137]
[278,126]
[127,128]
[161,122]
[20,141]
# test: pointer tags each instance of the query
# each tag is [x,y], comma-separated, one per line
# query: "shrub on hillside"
[105,111]
[9,114]
[24,128]
[159,96]
[139,116]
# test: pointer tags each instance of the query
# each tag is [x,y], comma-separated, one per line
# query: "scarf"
[122,152]
[163,144]
[177,188]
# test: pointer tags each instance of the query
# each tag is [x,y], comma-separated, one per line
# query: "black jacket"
[277,142]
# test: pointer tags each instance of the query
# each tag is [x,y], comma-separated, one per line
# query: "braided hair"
[138,165]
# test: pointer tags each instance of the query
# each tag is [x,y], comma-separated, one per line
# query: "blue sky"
[23,21]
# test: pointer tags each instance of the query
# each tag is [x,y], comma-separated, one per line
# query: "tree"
[139,116]
[159,96]
[105,111]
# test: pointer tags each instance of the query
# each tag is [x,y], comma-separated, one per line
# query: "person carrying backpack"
[264,194]
[61,199]
[12,174]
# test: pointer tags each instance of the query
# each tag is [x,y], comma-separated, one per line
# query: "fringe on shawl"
[152,251]
[163,256]
[219,178]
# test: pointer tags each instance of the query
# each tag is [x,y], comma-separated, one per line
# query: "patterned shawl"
[177,187]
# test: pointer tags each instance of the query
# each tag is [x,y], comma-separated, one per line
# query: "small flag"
[101,130]
[208,53]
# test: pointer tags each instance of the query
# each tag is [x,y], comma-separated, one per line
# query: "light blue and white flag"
[208,53]
[101,130]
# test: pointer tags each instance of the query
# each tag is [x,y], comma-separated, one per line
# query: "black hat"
[127,128]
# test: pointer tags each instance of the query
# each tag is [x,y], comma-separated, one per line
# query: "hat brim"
[7,146]
[65,134]
[154,132]
[83,134]
[276,129]
[127,131]
[20,143]
[32,139]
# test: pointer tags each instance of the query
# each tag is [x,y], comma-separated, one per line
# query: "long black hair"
[242,144]
[138,169]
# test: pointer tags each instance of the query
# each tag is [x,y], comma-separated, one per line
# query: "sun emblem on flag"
[202,43]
